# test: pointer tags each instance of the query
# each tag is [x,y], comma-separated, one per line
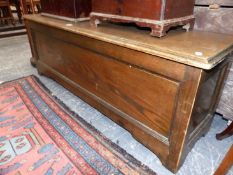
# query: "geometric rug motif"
[40,136]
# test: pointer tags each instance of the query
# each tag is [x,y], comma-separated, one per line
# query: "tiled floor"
[202,160]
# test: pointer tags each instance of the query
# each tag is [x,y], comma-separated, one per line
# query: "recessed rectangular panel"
[134,91]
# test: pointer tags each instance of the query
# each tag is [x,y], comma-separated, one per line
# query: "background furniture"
[34,6]
[22,7]
[16,4]
[30,6]
[5,12]
[8,30]
[164,91]
[226,163]
[216,16]
[158,15]
[226,133]
[71,10]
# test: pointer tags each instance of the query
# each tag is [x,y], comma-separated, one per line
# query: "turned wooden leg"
[17,5]
[226,163]
[24,6]
[226,133]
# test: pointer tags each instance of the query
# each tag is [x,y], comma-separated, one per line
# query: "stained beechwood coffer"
[159,15]
[72,10]
[163,91]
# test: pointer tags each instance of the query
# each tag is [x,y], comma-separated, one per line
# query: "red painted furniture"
[66,9]
[158,15]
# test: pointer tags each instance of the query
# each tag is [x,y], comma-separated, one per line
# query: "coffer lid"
[200,49]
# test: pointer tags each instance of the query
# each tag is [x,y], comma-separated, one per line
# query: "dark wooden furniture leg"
[6,12]
[226,133]
[24,7]
[19,14]
[226,163]
[32,6]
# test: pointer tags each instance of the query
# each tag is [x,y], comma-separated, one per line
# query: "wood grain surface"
[67,8]
[199,49]
[133,8]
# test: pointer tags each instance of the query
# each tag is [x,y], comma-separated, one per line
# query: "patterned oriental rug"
[40,136]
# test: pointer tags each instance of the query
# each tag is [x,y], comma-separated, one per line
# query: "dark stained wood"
[24,7]
[226,164]
[228,132]
[137,9]
[67,8]
[178,8]
[135,89]
[157,15]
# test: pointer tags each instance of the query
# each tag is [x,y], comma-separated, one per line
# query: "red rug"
[38,135]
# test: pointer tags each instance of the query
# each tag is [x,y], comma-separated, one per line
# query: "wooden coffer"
[165,104]
[159,15]
[66,9]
